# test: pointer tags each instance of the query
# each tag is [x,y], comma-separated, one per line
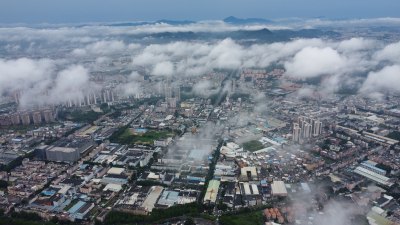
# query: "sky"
[84,11]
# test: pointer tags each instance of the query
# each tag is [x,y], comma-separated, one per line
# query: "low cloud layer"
[38,82]
[384,80]
[336,63]
[360,62]
[312,62]
[104,48]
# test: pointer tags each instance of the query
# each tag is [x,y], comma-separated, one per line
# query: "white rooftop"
[278,188]
[115,170]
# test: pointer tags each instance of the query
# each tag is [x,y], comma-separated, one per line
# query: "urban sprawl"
[277,159]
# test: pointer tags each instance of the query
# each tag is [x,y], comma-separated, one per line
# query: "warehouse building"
[371,175]
[212,192]
[62,154]
[278,189]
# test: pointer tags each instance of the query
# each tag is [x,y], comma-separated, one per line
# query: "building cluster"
[67,150]
[306,128]
[16,144]
[27,117]
[29,178]
[161,148]
[141,200]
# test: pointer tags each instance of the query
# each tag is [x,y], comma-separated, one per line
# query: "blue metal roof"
[76,207]
[373,167]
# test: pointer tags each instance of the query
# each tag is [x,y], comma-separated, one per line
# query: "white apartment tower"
[306,128]
[296,132]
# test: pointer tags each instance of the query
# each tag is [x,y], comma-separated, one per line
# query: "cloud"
[109,48]
[335,213]
[70,84]
[24,73]
[165,68]
[104,48]
[198,58]
[204,88]
[227,54]
[305,92]
[133,85]
[385,80]
[390,53]
[346,23]
[203,143]
[339,63]
[312,62]
[357,44]
[39,83]
[96,32]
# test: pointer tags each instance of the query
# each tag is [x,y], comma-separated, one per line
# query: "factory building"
[212,192]
[278,189]
[62,154]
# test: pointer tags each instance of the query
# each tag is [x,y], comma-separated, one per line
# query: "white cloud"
[38,82]
[357,44]
[346,23]
[336,213]
[385,80]
[133,85]
[104,48]
[227,54]
[337,62]
[92,33]
[70,84]
[204,88]
[22,74]
[390,53]
[165,68]
[313,62]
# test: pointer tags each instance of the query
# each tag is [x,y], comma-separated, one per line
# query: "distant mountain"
[128,24]
[171,22]
[231,20]
[250,34]
[261,36]
[235,20]
[175,22]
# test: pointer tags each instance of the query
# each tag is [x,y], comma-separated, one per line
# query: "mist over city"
[150,112]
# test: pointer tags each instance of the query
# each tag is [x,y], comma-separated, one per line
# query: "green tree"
[189,221]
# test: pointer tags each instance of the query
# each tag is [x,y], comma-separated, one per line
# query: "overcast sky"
[81,11]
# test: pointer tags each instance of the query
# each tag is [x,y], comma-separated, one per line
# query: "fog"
[81,52]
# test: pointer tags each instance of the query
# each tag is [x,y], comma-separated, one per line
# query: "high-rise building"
[301,120]
[87,99]
[171,102]
[48,116]
[306,130]
[25,118]
[167,91]
[296,132]
[5,120]
[37,117]
[310,127]
[79,101]
[107,96]
[111,94]
[70,103]
[177,93]
[317,128]
[94,98]
[15,119]
[17,96]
